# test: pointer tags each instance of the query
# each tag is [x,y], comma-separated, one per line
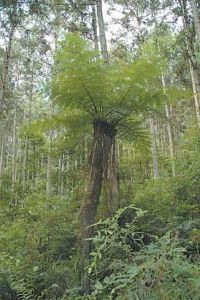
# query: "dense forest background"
[100,149]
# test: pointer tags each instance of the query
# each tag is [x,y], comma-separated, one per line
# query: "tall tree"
[10,21]
[192,59]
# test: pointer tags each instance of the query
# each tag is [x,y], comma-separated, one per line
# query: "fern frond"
[133,130]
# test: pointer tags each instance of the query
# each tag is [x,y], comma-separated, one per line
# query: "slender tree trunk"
[6,69]
[170,138]
[102,35]
[14,146]
[103,138]
[169,131]
[24,163]
[169,128]
[94,26]
[60,175]
[2,154]
[154,149]
[195,77]
[18,159]
[1,160]
[49,167]
[1,164]
[196,89]
[196,17]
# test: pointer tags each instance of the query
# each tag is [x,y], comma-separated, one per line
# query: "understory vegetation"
[147,250]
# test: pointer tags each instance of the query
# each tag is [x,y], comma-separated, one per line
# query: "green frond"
[75,125]
[133,130]
[83,82]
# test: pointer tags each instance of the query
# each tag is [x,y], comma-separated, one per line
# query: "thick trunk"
[113,183]
[113,180]
[103,138]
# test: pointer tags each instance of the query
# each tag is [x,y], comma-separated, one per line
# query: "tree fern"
[110,95]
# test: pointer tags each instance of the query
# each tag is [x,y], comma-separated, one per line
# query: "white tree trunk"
[49,167]
[102,35]
[24,164]
[94,26]
[196,90]
[14,151]
[169,131]
[154,149]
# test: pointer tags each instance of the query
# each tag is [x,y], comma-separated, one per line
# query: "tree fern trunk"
[103,138]
[113,181]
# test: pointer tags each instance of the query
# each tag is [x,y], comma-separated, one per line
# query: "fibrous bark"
[113,180]
[103,138]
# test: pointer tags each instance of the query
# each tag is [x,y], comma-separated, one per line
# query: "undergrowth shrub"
[158,270]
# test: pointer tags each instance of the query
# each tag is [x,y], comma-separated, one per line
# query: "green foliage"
[11,284]
[40,246]
[106,91]
[159,270]
[171,200]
